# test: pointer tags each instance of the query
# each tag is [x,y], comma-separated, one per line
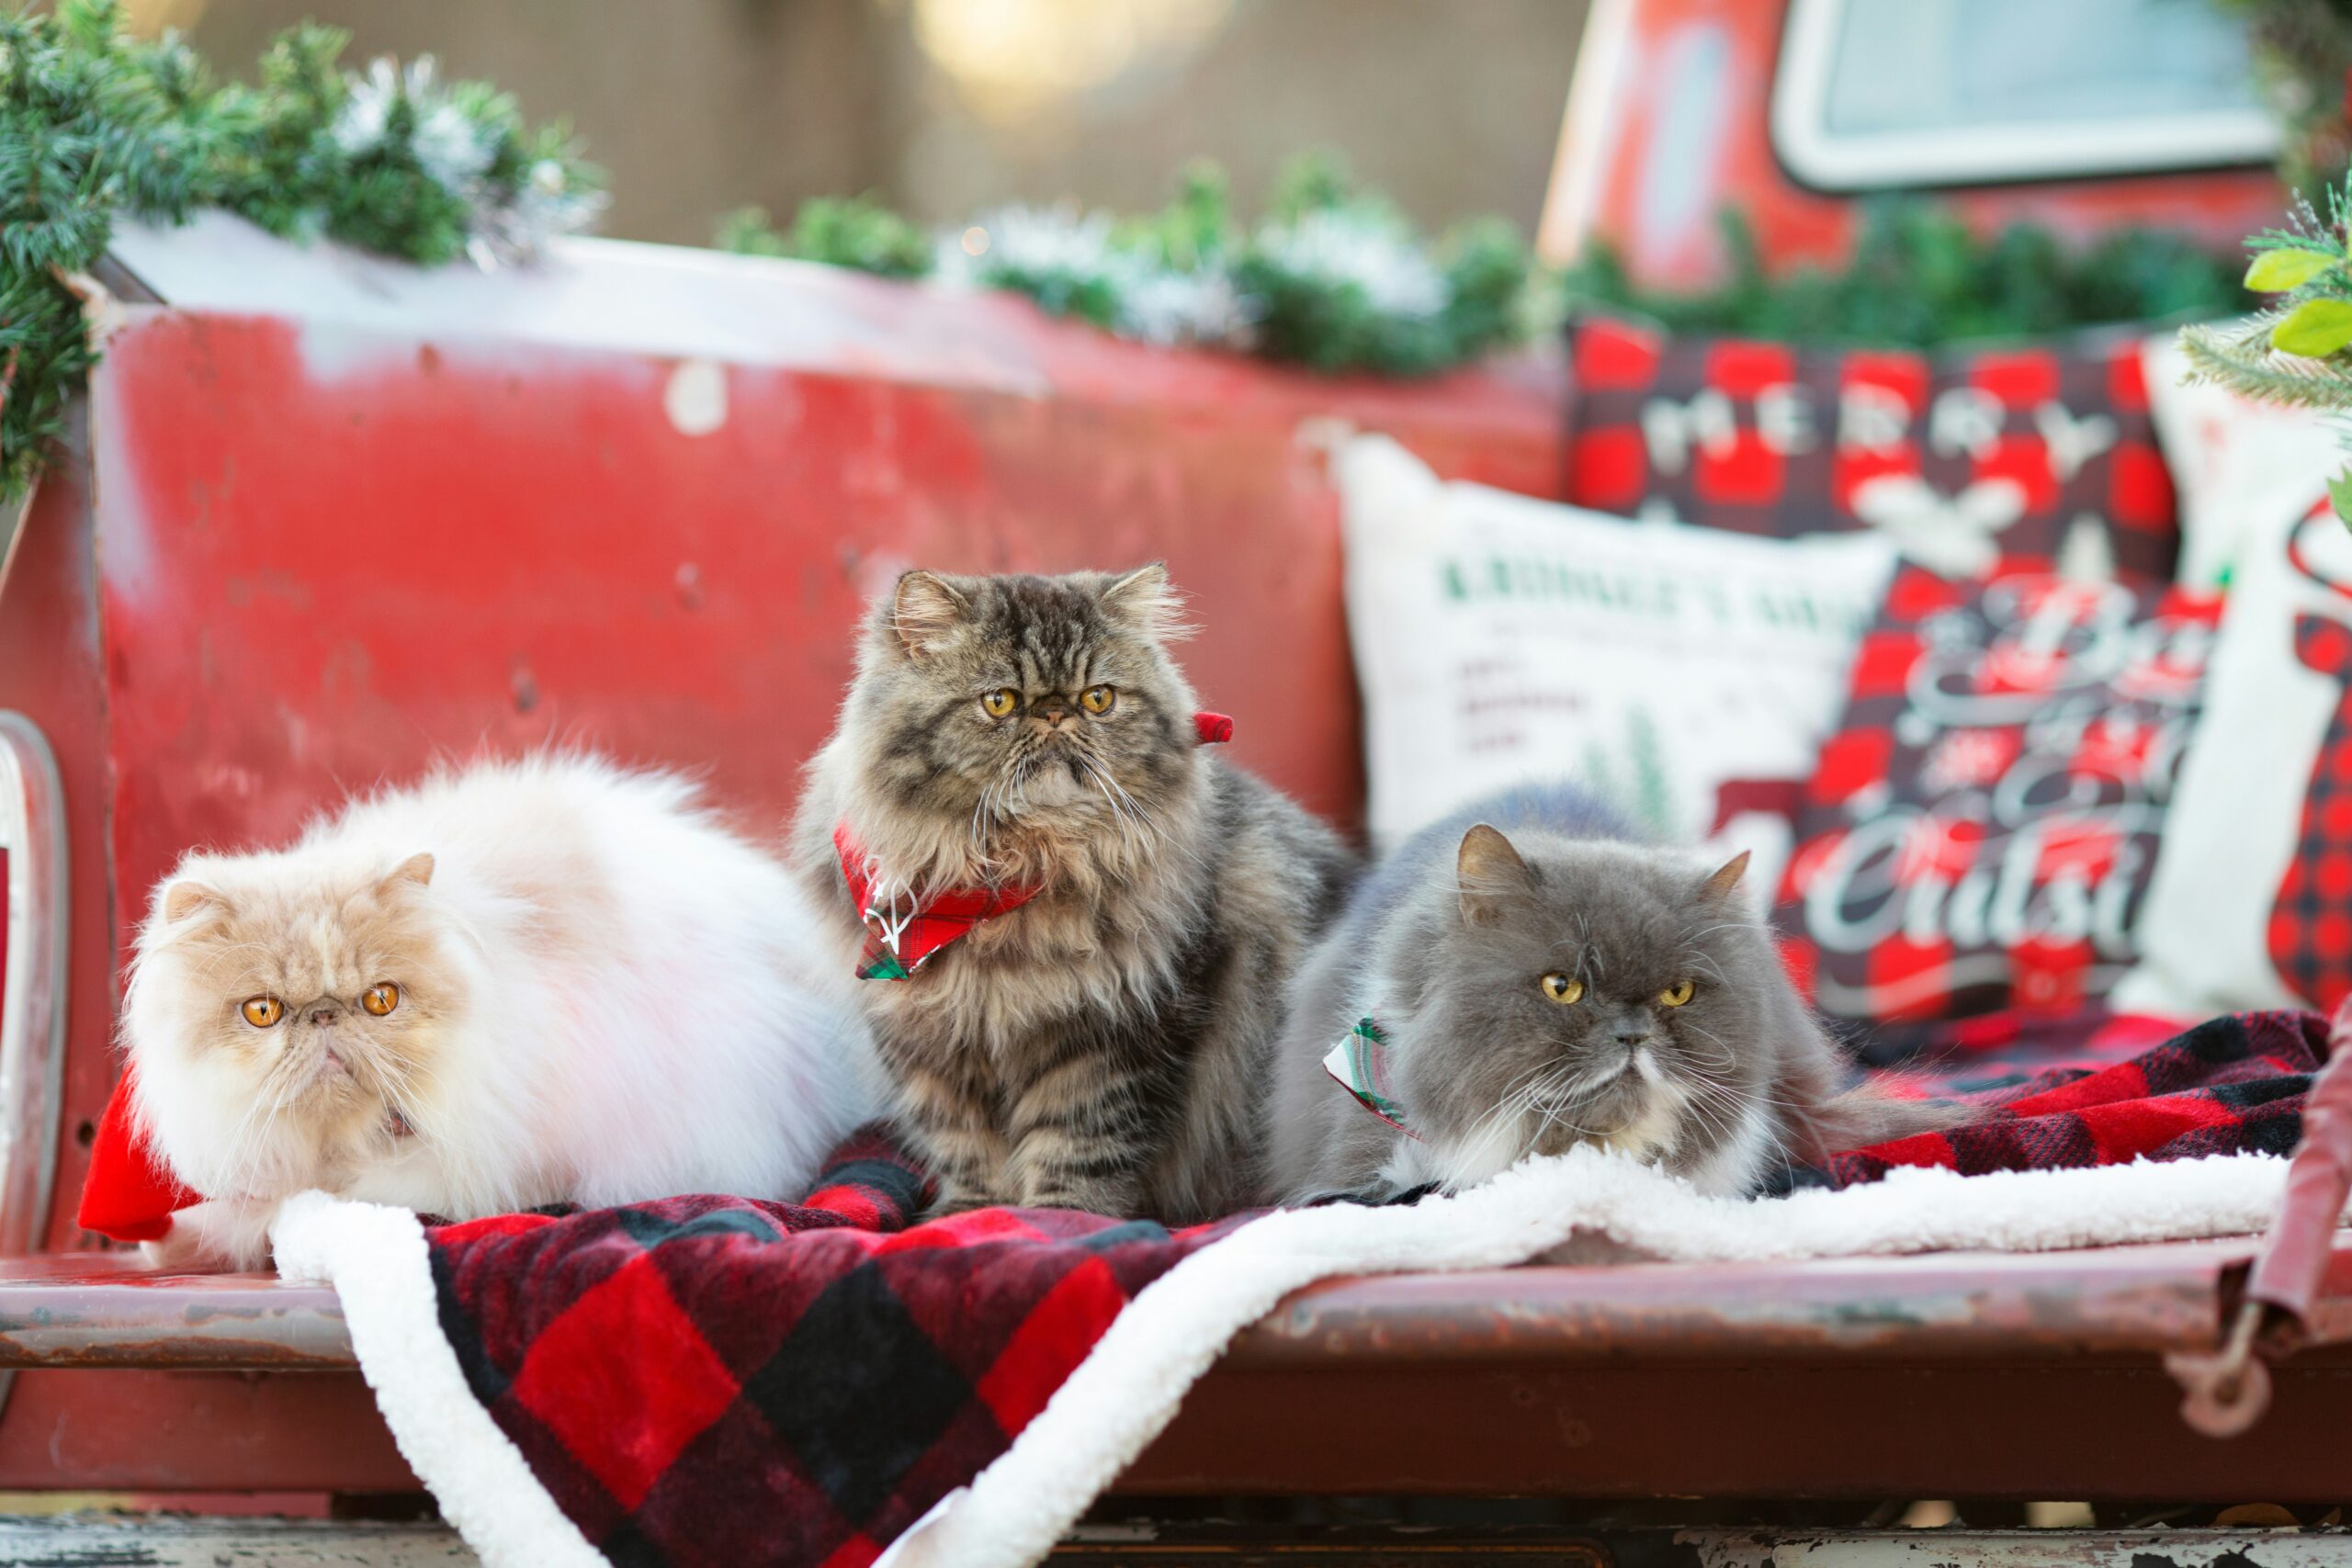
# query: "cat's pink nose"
[321,1017]
[1053,710]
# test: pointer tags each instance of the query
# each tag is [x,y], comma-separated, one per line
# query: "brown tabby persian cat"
[1096,1046]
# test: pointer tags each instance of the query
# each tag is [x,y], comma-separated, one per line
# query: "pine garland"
[1332,277]
[857,232]
[2239,355]
[94,122]
[1920,276]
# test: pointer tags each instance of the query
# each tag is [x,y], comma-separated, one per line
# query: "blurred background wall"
[943,107]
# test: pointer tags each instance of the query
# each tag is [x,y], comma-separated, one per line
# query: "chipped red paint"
[326,558]
[287,558]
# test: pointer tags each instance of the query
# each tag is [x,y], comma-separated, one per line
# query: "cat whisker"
[1517,1098]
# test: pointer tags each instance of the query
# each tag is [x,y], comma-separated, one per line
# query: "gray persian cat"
[1528,975]
[1082,925]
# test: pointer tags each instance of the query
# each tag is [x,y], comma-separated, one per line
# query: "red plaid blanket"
[712,1380]
[2090,1090]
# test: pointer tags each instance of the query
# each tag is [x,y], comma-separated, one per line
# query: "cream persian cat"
[521,984]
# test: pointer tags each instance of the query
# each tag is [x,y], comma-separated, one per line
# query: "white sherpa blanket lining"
[1128,1388]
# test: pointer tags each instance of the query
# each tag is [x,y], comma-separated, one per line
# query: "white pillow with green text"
[1688,674]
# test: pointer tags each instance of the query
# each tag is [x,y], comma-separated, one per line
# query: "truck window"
[1876,94]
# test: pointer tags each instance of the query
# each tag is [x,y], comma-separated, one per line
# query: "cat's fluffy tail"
[1870,1114]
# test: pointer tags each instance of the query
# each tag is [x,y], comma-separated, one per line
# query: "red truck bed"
[1974,1375]
[324,519]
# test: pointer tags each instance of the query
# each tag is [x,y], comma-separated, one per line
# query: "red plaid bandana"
[905,930]
[1358,1064]
[908,928]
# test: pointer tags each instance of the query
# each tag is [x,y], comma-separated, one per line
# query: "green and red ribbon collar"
[905,929]
[1360,1065]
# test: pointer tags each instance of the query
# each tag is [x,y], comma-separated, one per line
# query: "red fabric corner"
[1214,729]
[128,1195]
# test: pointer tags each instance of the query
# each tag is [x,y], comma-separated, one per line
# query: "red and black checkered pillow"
[1978,461]
[1981,827]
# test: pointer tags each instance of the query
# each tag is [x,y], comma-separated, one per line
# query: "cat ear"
[416,869]
[1726,877]
[1145,601]
[924,610]
[1488,872]
[187,896]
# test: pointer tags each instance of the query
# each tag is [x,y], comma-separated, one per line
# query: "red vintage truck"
[320,519]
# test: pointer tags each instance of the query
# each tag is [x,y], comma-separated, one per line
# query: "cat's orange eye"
[380,998]
[1098,699]
[1562,988]
[998,703]
[263,1011]
[1677,994]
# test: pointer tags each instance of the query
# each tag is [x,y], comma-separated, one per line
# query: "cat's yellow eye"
[263,1011]
[998,703]
[380,998]
[1098,699]
[1562,988]
[1677,994]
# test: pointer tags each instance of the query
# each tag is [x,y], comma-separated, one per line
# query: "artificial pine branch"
[1334,277]
[2299,352]
[2238,355]
[1920,276]
[95,123]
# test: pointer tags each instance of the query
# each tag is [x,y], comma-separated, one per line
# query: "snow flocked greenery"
[95,123]
[1332,276]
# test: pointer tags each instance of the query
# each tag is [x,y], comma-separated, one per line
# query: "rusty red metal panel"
[149,1431]
[1954,1307]
[103,1310]
[107,1308]
[2085,1427]
[290,558]
[52,670]
[1996,1377]
[327,557]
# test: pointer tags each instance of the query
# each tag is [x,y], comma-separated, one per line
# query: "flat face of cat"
[1586,992]
[320,999]
[1024,701]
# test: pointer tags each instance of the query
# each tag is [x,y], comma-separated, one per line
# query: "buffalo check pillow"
[1983,823]
[2252,902]
[1974,462]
